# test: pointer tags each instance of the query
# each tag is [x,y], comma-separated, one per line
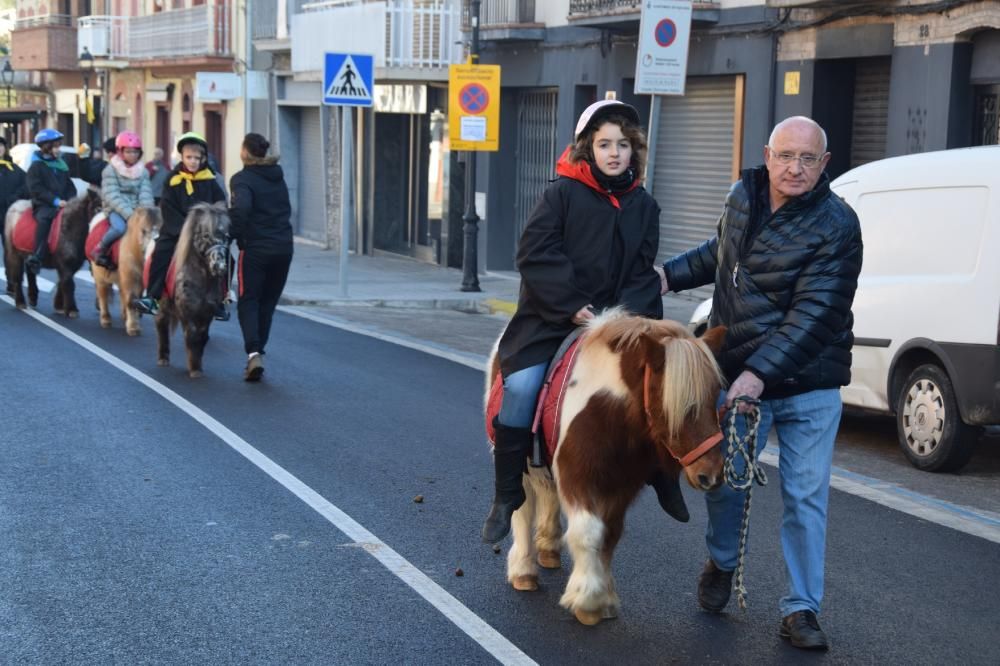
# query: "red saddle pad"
[24,232]
[94,238]
[548,412]
[168,287]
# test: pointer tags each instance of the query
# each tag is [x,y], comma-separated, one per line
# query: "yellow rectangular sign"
[474,107]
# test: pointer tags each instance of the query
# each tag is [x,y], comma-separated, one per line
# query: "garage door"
[312,170]
[536,152]
[697,160]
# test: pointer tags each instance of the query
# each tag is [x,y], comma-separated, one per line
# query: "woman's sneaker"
[254,369]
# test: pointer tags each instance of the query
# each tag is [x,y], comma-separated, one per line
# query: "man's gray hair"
[797,119]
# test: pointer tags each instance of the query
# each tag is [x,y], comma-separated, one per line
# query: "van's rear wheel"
[930,428]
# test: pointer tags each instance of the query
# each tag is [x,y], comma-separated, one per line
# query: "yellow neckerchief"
[187,177]
[6,164]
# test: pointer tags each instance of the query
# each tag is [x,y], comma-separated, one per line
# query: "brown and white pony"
[192,291]
[129,253]
[67,256]
[641,395]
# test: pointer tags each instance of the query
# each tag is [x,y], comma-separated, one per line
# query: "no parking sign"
[664,35]
[474,107]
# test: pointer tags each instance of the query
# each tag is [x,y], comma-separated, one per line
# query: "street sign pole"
[348,81]
[346,190]
[470,253]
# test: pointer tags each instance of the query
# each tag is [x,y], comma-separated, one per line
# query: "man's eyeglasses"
[807,161]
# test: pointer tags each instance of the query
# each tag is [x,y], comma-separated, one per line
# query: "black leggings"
[262,278]
[44,215]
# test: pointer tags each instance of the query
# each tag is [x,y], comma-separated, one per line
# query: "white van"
[927,309]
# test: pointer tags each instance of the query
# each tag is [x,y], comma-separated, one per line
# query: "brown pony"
[641,395]
[142,226]
[192,292]
[67,259]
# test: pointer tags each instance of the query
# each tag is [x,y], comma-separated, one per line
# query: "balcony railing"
[418,33]
[204,30]
[505,12]
[266,17]
[614,7]
[43,19]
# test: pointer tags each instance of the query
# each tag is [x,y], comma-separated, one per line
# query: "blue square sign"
[348,79]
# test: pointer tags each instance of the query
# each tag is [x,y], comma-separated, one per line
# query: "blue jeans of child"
[806,425]
[520,394]
[116,231]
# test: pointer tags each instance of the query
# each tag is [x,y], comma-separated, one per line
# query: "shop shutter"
[871,110]
[312,171]
[536,152]
[695,163]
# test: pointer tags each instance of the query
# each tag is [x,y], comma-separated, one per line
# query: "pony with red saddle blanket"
[128,254]
[631,395]
[192,292]
[66,249]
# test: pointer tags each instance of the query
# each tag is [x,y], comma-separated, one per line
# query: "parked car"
[927,310]
[21,156]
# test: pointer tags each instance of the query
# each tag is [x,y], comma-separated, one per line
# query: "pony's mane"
[199,215]
[691,376]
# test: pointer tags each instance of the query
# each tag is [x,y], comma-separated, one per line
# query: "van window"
[935,231]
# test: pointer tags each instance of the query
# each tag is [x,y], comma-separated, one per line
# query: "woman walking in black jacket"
[589,244]
[262,229]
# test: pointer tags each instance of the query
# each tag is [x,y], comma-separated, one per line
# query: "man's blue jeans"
[520,395]
[807,426]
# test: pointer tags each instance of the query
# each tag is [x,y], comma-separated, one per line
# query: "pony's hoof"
[549,559]
[163,362]
[75,314]
[589,618]
[526,583]
[33,302]
[105,323]
[22,306]
[132,332]
[195,374]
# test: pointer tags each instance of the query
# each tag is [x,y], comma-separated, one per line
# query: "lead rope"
[745,448]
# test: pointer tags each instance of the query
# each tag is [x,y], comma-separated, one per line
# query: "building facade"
[884,78]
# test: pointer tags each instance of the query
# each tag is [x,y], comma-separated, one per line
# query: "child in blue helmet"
[50,186]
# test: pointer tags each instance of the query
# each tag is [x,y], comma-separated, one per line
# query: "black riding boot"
[513,446]
[668,492]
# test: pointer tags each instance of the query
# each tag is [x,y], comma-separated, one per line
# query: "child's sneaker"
[146,305]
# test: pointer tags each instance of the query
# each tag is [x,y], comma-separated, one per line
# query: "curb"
[459,304]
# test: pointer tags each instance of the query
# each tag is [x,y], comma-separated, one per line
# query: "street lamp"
[7,74]
[470,250]
[86,66]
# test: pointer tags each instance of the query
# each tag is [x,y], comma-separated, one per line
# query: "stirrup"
[146,305]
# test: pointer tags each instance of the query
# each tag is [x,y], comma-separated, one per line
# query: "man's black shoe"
[802,629]
[714,587]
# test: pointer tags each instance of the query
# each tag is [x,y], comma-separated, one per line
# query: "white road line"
[44,286]
[946,514]
[473,361]
[453,609]
[953,516]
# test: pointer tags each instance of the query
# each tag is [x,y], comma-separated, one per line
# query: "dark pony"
[640,396]
[192,292]
[67,258]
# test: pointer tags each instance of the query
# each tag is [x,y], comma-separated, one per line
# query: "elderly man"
[785,265]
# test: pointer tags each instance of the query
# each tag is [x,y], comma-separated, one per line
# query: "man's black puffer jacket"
[789,313]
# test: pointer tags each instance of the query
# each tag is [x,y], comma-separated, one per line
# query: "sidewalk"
[399,282]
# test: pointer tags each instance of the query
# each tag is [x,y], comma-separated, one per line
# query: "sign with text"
[217,86]
[474,107]
[664,36]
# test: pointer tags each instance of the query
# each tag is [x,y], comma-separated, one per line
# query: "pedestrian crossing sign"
[348,79]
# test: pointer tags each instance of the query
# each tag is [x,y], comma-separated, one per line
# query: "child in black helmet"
[191,182]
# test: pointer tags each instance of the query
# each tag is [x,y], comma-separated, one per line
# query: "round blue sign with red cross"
[666,32]
[473,98]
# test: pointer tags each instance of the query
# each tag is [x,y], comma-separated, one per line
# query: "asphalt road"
[132,533]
